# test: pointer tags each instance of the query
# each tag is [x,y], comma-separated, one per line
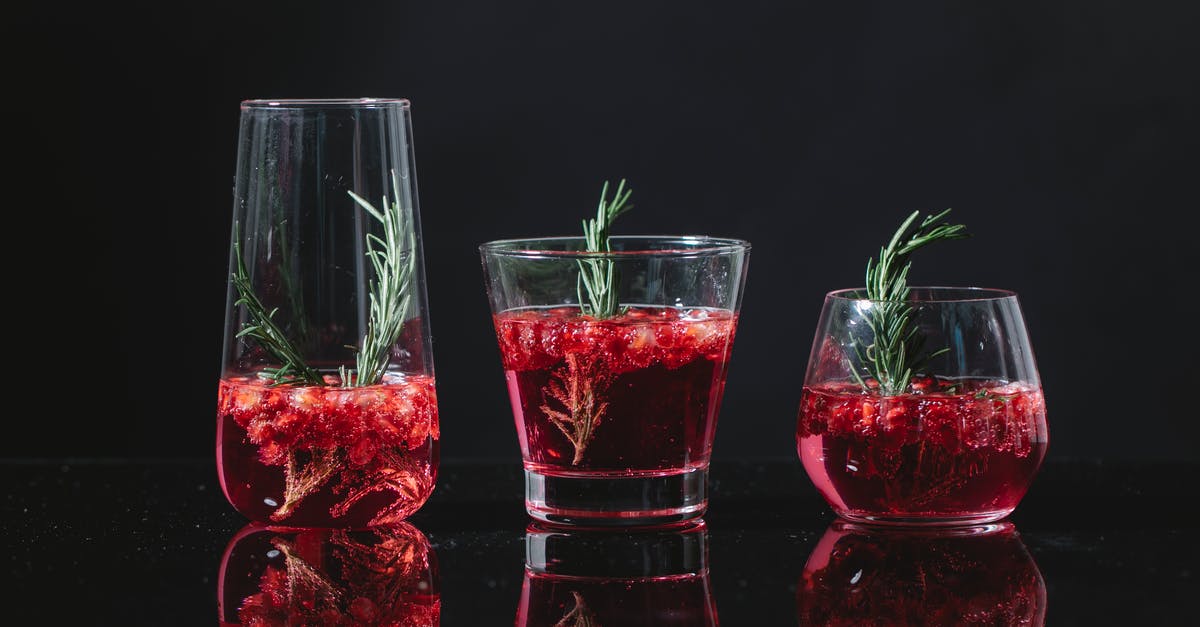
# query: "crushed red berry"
[328,456]
[950,449]
[636,392]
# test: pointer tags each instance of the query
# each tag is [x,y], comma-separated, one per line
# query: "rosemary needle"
[895,352]
[392,256]
[598,276]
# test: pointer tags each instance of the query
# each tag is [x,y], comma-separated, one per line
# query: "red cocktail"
[926,410]
[327,414]
[950,451]
[322,456]
[633,396]
[615,352]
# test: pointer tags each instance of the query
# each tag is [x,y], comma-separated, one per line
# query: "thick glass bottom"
[974,518]
[608,500]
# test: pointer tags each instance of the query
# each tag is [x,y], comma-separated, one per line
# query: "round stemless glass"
[615,415]
[327,413]
[959,444]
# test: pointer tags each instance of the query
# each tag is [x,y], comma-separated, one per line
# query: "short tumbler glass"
[955,441]
[615,415]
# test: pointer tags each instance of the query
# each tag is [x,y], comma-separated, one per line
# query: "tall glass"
[615,416]
[958,443]
[327,412]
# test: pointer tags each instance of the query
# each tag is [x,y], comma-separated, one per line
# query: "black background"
[1064,134]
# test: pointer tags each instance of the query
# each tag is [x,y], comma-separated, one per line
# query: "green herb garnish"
[895,352]
[262,329]
[598,276]
[394,258]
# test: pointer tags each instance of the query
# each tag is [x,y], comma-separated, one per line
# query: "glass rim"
[317,103]
[688,246]
[961,294]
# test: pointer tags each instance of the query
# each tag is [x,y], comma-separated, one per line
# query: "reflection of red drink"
[552,601]
[577,577]
[951,451]
[637,394]
[973,575]
[386,576]
[327,456]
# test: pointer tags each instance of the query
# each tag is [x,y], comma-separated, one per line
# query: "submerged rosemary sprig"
[597,277]
[895,352]
[262,329]
[394,258]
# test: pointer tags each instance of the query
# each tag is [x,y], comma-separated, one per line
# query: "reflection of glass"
[959,442]
[593,578]
[871,576]
[385,576]
[616,415]
[327,414]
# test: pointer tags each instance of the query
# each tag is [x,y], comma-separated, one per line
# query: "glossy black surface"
[135,543]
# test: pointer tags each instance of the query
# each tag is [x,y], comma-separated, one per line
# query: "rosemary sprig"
[895,352]
[262,329]
[597,277]
[394,258]
[579,388]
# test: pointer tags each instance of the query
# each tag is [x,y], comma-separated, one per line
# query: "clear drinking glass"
[387,575]
[958,444]
[615,416]
[327,412]
[977,575]
[584,577]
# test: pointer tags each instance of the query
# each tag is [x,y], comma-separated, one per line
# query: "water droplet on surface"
[270,501]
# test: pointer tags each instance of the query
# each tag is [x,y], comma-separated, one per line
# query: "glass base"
[600,500]
[925,521]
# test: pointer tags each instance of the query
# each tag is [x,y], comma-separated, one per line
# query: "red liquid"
[556,600]
[327,456]
[386,576]
[977,577]
[954,451]
[637,394]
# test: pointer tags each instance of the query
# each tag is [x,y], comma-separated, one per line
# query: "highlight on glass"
[921,405]
[327,412]
[615,350]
